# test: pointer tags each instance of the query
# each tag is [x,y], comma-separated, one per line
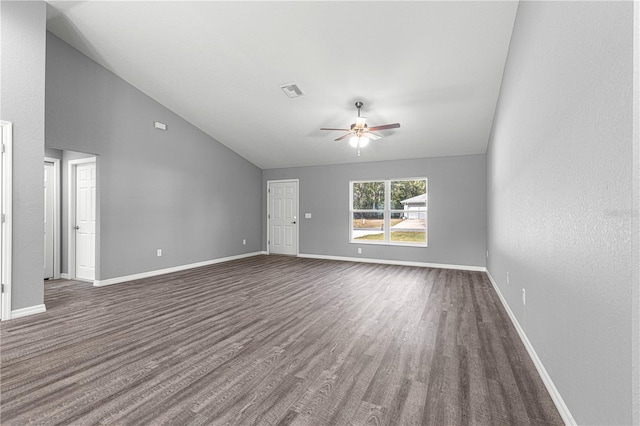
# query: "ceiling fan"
[360,132]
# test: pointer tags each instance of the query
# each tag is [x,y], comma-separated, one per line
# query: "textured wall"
[559,198]
[178,190]
[22,42]
[53,153]
[457,210]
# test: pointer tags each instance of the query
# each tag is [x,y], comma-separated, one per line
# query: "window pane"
[368,196]
[367,226]
[408,194]
[395,218]
[408,229]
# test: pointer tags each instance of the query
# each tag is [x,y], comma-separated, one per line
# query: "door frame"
[56,215]
[7,229]
[71,234]
[269,182]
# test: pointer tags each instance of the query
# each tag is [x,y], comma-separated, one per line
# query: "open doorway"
[51,218]
[73,197]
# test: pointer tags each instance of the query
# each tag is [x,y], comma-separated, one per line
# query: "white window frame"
[387,212]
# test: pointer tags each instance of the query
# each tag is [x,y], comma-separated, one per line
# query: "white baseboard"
[117,280]
[394,262]
[30,310]
[546,379]
[65,276]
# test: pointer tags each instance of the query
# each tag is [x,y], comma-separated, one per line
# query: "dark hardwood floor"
[273,340]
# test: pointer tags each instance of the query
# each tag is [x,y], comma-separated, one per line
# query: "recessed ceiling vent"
[292,90]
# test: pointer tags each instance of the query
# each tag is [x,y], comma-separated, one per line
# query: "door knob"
[76,227]
[294,222]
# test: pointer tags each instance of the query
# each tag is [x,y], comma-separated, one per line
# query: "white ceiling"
[435,67]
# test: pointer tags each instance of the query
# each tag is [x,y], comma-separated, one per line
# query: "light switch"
[307,215]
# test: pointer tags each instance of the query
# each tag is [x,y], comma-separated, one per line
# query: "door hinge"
[268,190]
[3,148]
[268,242]
[268,216]
[3,218]
[1,288]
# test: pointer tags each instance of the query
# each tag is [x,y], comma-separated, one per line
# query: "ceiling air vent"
[292,90]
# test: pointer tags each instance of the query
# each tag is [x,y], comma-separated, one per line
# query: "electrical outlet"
[159,252]
[359,250]
[524,297]
[244,241]
[507,278]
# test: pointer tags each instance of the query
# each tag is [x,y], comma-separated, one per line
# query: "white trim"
[31,310]
[635,224]
[65,276]
[546,379]
[86,160]
[298,221]
[117,280]
[395,262]
[7,209]
[56,215]
[71,240]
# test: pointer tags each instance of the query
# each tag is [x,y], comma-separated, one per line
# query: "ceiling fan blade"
[328,128]
[371,136]
[342,137]
[385,127]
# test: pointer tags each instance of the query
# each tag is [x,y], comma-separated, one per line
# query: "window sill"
[382,243]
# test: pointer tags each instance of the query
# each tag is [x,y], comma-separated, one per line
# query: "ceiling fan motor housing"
[355,126]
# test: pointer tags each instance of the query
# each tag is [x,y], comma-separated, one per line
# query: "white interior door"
[283,217]
[49,225]
[5,217]
[85,227]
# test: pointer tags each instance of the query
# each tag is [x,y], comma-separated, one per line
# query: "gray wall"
[559,198]
[22,101]
[53,153]
[457,210]
[178,190]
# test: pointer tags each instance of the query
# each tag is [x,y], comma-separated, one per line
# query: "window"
[390,212]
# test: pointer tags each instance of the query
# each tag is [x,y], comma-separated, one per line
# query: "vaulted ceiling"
[435,67]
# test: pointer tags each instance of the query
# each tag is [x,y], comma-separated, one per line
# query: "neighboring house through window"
[392,211]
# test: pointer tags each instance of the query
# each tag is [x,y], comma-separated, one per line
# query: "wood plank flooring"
[272,340]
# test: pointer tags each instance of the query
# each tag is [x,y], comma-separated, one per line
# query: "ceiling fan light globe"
[358,141]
